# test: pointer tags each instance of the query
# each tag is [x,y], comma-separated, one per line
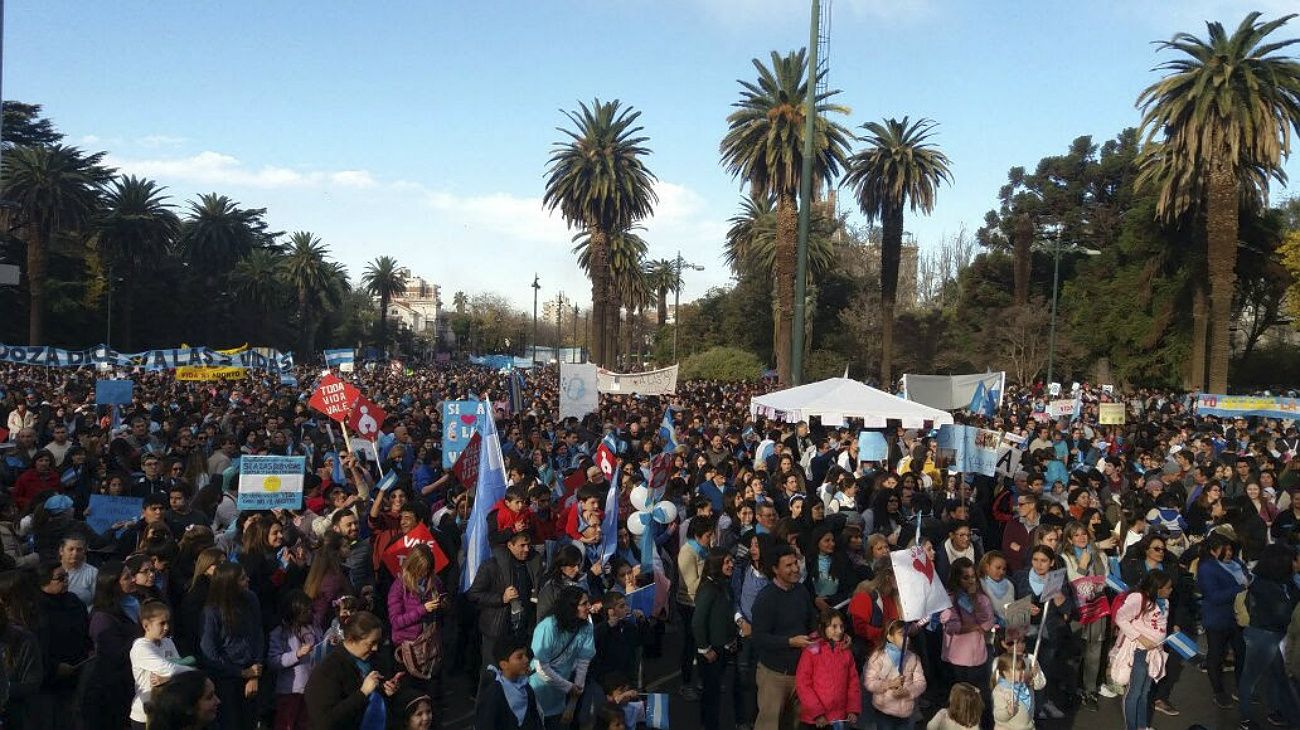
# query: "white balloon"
[634,523]
[665,512]
[639,496]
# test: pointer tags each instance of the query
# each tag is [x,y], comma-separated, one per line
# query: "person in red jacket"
[39,478]
[873,606]
[826,679]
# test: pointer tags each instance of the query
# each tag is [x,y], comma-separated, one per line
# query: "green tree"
[383,279]
[599,181]
[661,277]
[215,235]
[763,147]
[53,190]
[314,281]
[899,168]
[257,284]
[25,127]
[1227,104]
[625,252]
[136,228]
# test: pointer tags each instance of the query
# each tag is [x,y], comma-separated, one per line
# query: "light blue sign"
[113,392]
[976,449]
[105,510]
[270,482]
[460,418]
[872,446]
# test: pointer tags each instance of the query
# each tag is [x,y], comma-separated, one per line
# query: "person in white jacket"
[154,658]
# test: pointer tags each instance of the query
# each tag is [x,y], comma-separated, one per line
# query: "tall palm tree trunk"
[36,286]
[304,321]
[1200,326]
[126,342]
[891,252]
[663,308]
[600,327]
[614,315]
[1022,256]
[383,325]
[628,334]
[787,233]
[1221,258]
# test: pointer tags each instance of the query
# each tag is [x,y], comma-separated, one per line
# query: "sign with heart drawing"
[921,592]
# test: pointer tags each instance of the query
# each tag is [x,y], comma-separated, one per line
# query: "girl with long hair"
[1138,657]
[416,602]
[232,645]
[715,632]
[826,678]
[293,656]
[895,680]
[966,624]
[186,702]
[111,687]
[327,579]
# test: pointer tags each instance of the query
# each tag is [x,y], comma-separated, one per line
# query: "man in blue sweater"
[783,618]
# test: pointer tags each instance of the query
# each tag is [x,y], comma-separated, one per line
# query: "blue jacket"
[228,650]
[1218,592]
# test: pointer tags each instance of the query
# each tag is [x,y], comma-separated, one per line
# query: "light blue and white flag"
[656,711]
[339,358]
[387,482]
[667,430]
[491,487]
[978,399]
[1183,644]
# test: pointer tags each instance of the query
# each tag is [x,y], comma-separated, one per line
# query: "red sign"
[333,397]
[366,418]
[401,547]
[466,466]
[606,460]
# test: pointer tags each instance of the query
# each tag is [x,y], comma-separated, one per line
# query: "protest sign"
[270,482]
[1010,451]
[209,372]
[643,600]
[105,510]
[579,392]
[872,446]
[1053,389]
[114,392]
[401,547]
[1110,414]
[1060,408]
[921,593]
[973,449]
[366,418]
[460,421]
[1053,582]
[466,466]
[1209,404]
[1019,614]
[333,397]
[651,382]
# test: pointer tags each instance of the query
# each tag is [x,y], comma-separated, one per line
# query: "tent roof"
[835,399]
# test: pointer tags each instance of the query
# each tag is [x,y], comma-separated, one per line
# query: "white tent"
[836,399]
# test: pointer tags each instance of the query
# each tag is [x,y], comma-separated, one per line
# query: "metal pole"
[677,302]
[108,324]
[805,202]
[1056,275]
[576,346]
[536,287]
[559,325]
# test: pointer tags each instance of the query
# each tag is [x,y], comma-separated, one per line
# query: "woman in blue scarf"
[563,646]
[1048,617]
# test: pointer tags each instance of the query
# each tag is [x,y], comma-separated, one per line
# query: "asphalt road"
[1191,696]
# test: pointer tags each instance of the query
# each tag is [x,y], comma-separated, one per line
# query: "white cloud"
[157,141]
[217,169]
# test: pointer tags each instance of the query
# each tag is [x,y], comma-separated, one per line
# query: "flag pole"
[1042,625]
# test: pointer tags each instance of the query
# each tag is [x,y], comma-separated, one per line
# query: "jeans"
[1220,640]
[711,697]
[1262,662]
[889,722]
[1137,697]
[1173,670]
[778,707]
[745,685]
[688,643]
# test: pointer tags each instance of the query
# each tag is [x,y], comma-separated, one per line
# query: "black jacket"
[333,694]
[492,711]
[714,621]
[1270,604]
[490,583]
[63,631]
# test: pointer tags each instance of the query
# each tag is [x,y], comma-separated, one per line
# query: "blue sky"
[422,129]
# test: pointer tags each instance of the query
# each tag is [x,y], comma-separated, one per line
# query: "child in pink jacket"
[826,679]
[894,693]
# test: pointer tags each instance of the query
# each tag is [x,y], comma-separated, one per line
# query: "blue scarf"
[516,692]
[698,548]
[1163,605]
[965,603]
[1037,583]
[996,589]
[1235,570]
[895,654]
[826,584]
[1021,692]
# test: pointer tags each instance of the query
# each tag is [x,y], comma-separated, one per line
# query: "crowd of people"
[770,571]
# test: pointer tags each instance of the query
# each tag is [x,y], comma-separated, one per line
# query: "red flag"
[466,466]
[333,397]
[401,547]
[365,418]
[606,460]
[574,480]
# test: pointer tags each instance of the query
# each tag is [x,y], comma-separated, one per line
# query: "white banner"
[578,389]
[1060,408]
[921,592]
[652,382]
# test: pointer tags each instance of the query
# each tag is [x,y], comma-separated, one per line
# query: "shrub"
[722,363]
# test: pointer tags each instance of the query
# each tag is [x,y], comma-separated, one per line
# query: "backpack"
[1115,603]
[1241,609]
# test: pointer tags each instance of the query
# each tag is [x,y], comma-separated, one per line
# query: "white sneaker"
[1107,691]
[1052,710]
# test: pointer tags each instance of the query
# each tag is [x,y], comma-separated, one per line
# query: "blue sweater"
[1218,591]
[229,650]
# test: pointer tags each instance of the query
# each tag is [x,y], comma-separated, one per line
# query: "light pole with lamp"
[677,296]
[537,285]
[1056,247]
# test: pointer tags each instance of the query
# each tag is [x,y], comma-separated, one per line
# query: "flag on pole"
[387,482]
[668,431]
[516,387]
[609,524]
[1183,644]
[978,400]
[490,488]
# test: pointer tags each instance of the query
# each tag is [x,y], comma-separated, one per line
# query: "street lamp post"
[1057,246]
[677,296]
[559,325]
[537,285]
[576,346]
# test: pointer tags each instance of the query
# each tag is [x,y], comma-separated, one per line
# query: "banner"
[460,420]
[579,389]
[872,446]
[1231,406]
[105,510]
[206,372]
[1110,414]
[270,482]
[168,359]
[950,392]
[1060,408]
[921,592]
[974,449]
[652,382]
[419,535]
[114,392]
[343,359]
[334,398]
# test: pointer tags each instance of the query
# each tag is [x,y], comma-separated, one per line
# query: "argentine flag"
[337,358]
[490,488]
[609,525]
[667,431]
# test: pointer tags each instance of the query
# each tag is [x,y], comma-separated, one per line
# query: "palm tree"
[763,147]
[661,278]
[256,282]
[51,190]
[311,278]
[1227,109]
[899,168]
[137,225]
[751,240]
[626,250]
[385,280]
[217,234]
[600,183]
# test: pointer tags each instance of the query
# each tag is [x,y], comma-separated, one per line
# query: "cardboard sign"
[1060,408]
[1018,614]
[270,482]
[460,421]
[1110,414]
[366,418]
[921,592]
[466,466]
[333,397]
[397,552]
[210,372]
[1053,583]
[105,510]
[113,392]
[872,446]
[1053,389]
